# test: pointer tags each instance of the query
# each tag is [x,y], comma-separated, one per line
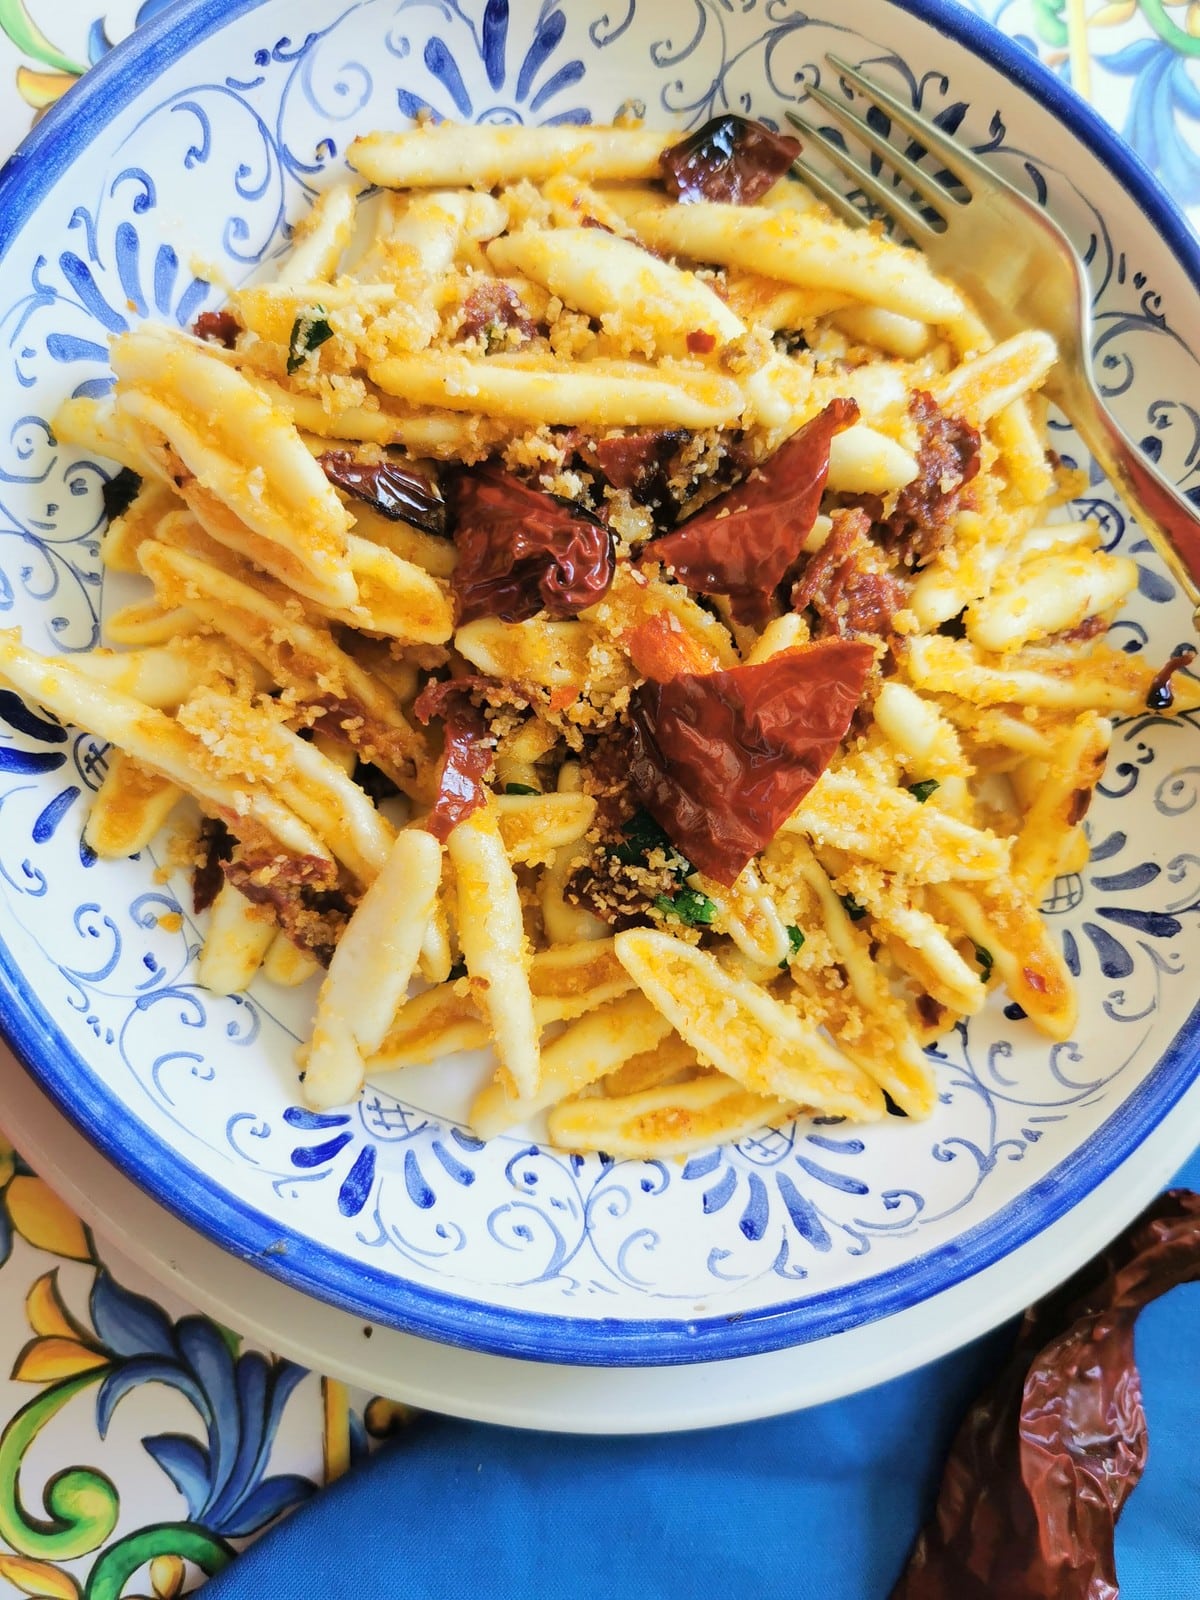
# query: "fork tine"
[957,161]
[884,196]
[833,198]
[923,183]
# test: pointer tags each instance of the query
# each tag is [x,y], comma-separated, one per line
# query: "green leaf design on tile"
[184,1539]
[1050,23]
[1188,44]
[81,1504]
[31,41]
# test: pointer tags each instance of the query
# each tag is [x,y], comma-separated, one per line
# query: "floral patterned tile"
[143,1443]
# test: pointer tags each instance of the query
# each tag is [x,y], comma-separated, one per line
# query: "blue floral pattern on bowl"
[392,1206]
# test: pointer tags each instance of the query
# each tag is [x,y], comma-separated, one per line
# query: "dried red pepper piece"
[721,759]
[1161,694]
[468,753]
[729,159]
[491,309]
[217,844]
[1047,1457]
[397,491]
[744,543]
[641,463]
[521,551]
[947,460]
[217,327]
[846,583]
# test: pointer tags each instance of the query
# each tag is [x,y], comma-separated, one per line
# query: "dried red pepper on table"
[721,759]
[1048,1456]
[729,159]
[468,752]
[744,543]
[521,551]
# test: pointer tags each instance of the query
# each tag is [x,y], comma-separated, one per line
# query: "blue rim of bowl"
[366,1292]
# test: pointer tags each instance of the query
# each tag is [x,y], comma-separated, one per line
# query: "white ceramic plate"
[198,144]
[554,1397]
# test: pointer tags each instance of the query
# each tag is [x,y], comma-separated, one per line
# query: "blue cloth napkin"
[819,1505]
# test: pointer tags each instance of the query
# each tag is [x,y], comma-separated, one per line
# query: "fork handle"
[1170,521]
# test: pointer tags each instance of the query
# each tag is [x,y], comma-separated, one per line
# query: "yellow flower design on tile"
[38,1579]
[45,1221]
[167,1577]
[55,73]
[60,1348]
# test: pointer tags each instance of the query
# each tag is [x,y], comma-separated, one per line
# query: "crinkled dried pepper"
[730,159]
[398,492]
[521,551]
[468,752]
[1048,1456]
[721,759]
[744,543]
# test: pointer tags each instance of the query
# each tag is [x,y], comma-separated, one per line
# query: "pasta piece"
[663,309]
[889,826]
[371,969]
[1047,594]
[437,556]
[158,743]
[1062,796]
[535,655]
[164,675]
[1023,450]
[129,808]
[670,1061]
[321,236]
[801,248]
[864,461]
[534,826]
[443,434]
[886,330]
[298,654]
[240,449]
[492,935]
[436,154]
[287,965]
[747,913]
[94,425]
[587,1050]
[148,623]
[239,935]
[153,502]
[247,740]
[566,982]
[734,1025]
[981,388]
[886,1045]
[395,597]
[671,1120]
[1006,928]
[606,394]
[1102,680]
[765,302]
[436,960]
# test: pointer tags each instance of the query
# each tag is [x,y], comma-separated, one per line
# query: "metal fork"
[1021,271]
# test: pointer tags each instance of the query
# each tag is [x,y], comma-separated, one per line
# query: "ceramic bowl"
[179,165]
